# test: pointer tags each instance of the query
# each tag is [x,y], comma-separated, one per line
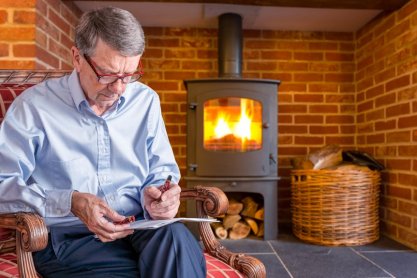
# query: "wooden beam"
[387,5]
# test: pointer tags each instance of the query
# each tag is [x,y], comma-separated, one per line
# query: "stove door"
[234,131]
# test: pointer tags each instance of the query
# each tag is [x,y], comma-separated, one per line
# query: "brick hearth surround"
[354,89]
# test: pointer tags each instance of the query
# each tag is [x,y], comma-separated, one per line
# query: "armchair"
[24,233]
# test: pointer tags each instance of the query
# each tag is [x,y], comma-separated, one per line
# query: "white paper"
[155,224]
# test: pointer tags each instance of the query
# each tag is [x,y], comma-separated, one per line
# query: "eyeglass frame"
[118,76]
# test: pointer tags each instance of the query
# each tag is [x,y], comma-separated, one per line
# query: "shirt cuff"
[58,203]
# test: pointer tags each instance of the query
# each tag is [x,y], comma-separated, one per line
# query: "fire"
[233,126]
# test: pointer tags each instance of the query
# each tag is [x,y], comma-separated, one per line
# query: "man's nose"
[117,87]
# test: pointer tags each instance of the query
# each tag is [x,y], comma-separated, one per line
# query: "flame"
[222,128]
[233,124]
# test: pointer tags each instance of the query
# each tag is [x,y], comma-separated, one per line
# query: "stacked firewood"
[243,218]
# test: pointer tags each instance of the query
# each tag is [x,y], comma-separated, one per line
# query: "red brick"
[308,77]
[310,98]
[397,83]
[365,106]
[291,129]
[293,151]
[339,98]
[261,66]
[340,119]
[292,87]
[276,55]
[325,67]
[13,34]
[320,129]
[337,56]
[24,50]
[405,122]
[406,179]
[398,136]
[4,50]
[309,140]
[19,64]
[293,66]
[17,3]
[407,208]
[163,42]
[284,140]
[259,44]
[197,65]
[398,110]
[285,108]
[323,46]
[375,139]
[47,57]
[386,99]
[341,140]
[24,17]
[308,119]
[407,151]
[399,219]
[385,125]
[3,16]
[397,30]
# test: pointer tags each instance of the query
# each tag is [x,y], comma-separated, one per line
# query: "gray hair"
[118,28]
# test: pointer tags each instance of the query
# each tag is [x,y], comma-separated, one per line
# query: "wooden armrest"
[30,235]
[211,201]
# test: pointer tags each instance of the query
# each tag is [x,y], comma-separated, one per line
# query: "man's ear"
[76,58]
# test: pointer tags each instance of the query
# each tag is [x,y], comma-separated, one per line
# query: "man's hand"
[98,217]
[162,205]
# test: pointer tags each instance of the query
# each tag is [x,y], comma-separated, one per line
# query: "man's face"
[105,61]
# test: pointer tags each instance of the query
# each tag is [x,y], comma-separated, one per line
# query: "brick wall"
[386,79]
[36,34]
[357,90]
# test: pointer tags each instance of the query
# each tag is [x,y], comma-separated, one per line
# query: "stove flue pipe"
[230,45]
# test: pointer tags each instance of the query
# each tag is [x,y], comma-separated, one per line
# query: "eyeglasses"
[107,79]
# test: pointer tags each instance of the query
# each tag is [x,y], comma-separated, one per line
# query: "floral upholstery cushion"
[8,265]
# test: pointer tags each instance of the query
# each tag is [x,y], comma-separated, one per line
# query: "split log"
[261,230]
[239,230]
[249,207]
[235,207]
[252,224]
[219,230]
[328,156]
[230,220]
[259,214]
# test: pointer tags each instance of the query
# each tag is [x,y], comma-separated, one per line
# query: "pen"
[166,185]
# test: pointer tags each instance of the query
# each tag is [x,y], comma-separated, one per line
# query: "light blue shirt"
[52,143]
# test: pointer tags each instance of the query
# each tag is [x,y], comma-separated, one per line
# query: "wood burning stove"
[232,128]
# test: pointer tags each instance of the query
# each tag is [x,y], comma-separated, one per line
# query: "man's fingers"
[172,193]
[153,192]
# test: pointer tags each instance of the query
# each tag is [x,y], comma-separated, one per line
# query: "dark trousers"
[170,251]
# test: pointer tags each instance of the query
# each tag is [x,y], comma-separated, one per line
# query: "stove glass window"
[232,124]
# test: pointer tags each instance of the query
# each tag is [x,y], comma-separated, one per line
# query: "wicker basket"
[335,207]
